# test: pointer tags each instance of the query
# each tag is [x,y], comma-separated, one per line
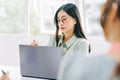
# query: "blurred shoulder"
[97,58]
[92,67]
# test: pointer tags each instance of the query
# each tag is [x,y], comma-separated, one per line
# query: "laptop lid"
[39,61]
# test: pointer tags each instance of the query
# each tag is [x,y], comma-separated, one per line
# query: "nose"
[61,23]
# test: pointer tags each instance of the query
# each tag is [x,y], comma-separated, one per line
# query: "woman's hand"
[34,43]
[5,76]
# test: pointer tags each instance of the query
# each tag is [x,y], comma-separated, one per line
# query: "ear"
[75,21]
[113,12]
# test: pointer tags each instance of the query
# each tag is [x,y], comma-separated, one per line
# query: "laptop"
[39,61]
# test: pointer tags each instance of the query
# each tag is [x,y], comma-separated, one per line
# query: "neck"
[115,46]
[67,37]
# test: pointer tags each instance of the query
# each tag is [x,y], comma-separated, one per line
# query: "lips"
[62,27]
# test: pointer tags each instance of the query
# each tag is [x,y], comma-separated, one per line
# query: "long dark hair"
[108,6]
[72,10]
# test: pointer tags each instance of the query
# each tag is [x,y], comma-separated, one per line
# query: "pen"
[3,72]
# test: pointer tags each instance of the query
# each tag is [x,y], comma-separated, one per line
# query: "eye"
[58,21]
[64,19]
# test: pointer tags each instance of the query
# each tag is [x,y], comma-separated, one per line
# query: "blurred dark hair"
[72,10]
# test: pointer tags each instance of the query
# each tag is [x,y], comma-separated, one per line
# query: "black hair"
[72,10]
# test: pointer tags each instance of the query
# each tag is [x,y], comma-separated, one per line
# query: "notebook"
[39,61]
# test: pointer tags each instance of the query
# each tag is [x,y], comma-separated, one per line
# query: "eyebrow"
[62,16]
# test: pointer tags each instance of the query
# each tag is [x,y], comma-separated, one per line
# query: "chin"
[62,31]
[106,38]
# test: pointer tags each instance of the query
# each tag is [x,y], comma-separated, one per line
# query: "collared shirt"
[65,46]
[73,45]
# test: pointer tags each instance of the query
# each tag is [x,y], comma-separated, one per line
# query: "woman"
[72,39]
[67,21]
[102,67]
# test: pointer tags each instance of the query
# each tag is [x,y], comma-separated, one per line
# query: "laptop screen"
[39,61]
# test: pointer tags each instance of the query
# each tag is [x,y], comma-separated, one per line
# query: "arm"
[51,41]
[83,47]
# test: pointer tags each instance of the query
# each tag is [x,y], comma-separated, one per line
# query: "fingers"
[5,76]
[34,43]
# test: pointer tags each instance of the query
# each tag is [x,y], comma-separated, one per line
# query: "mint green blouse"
[73,45]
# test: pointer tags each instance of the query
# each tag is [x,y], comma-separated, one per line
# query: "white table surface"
[14,73]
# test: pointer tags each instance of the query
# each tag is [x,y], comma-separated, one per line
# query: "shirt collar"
[69,42]
[61,40]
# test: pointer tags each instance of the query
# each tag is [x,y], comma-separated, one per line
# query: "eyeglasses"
[64,20]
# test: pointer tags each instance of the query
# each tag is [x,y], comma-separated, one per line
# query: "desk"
[14,73]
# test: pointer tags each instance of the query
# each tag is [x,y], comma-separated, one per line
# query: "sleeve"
[51,41]
[83,47]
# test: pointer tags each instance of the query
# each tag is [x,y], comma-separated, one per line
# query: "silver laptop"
[39,61]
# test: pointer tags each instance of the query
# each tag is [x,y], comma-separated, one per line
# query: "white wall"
[99,46]
[9,48]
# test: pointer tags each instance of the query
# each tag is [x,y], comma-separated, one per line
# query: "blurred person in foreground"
[99,67]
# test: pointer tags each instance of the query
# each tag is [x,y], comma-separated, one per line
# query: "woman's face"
[65,22]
